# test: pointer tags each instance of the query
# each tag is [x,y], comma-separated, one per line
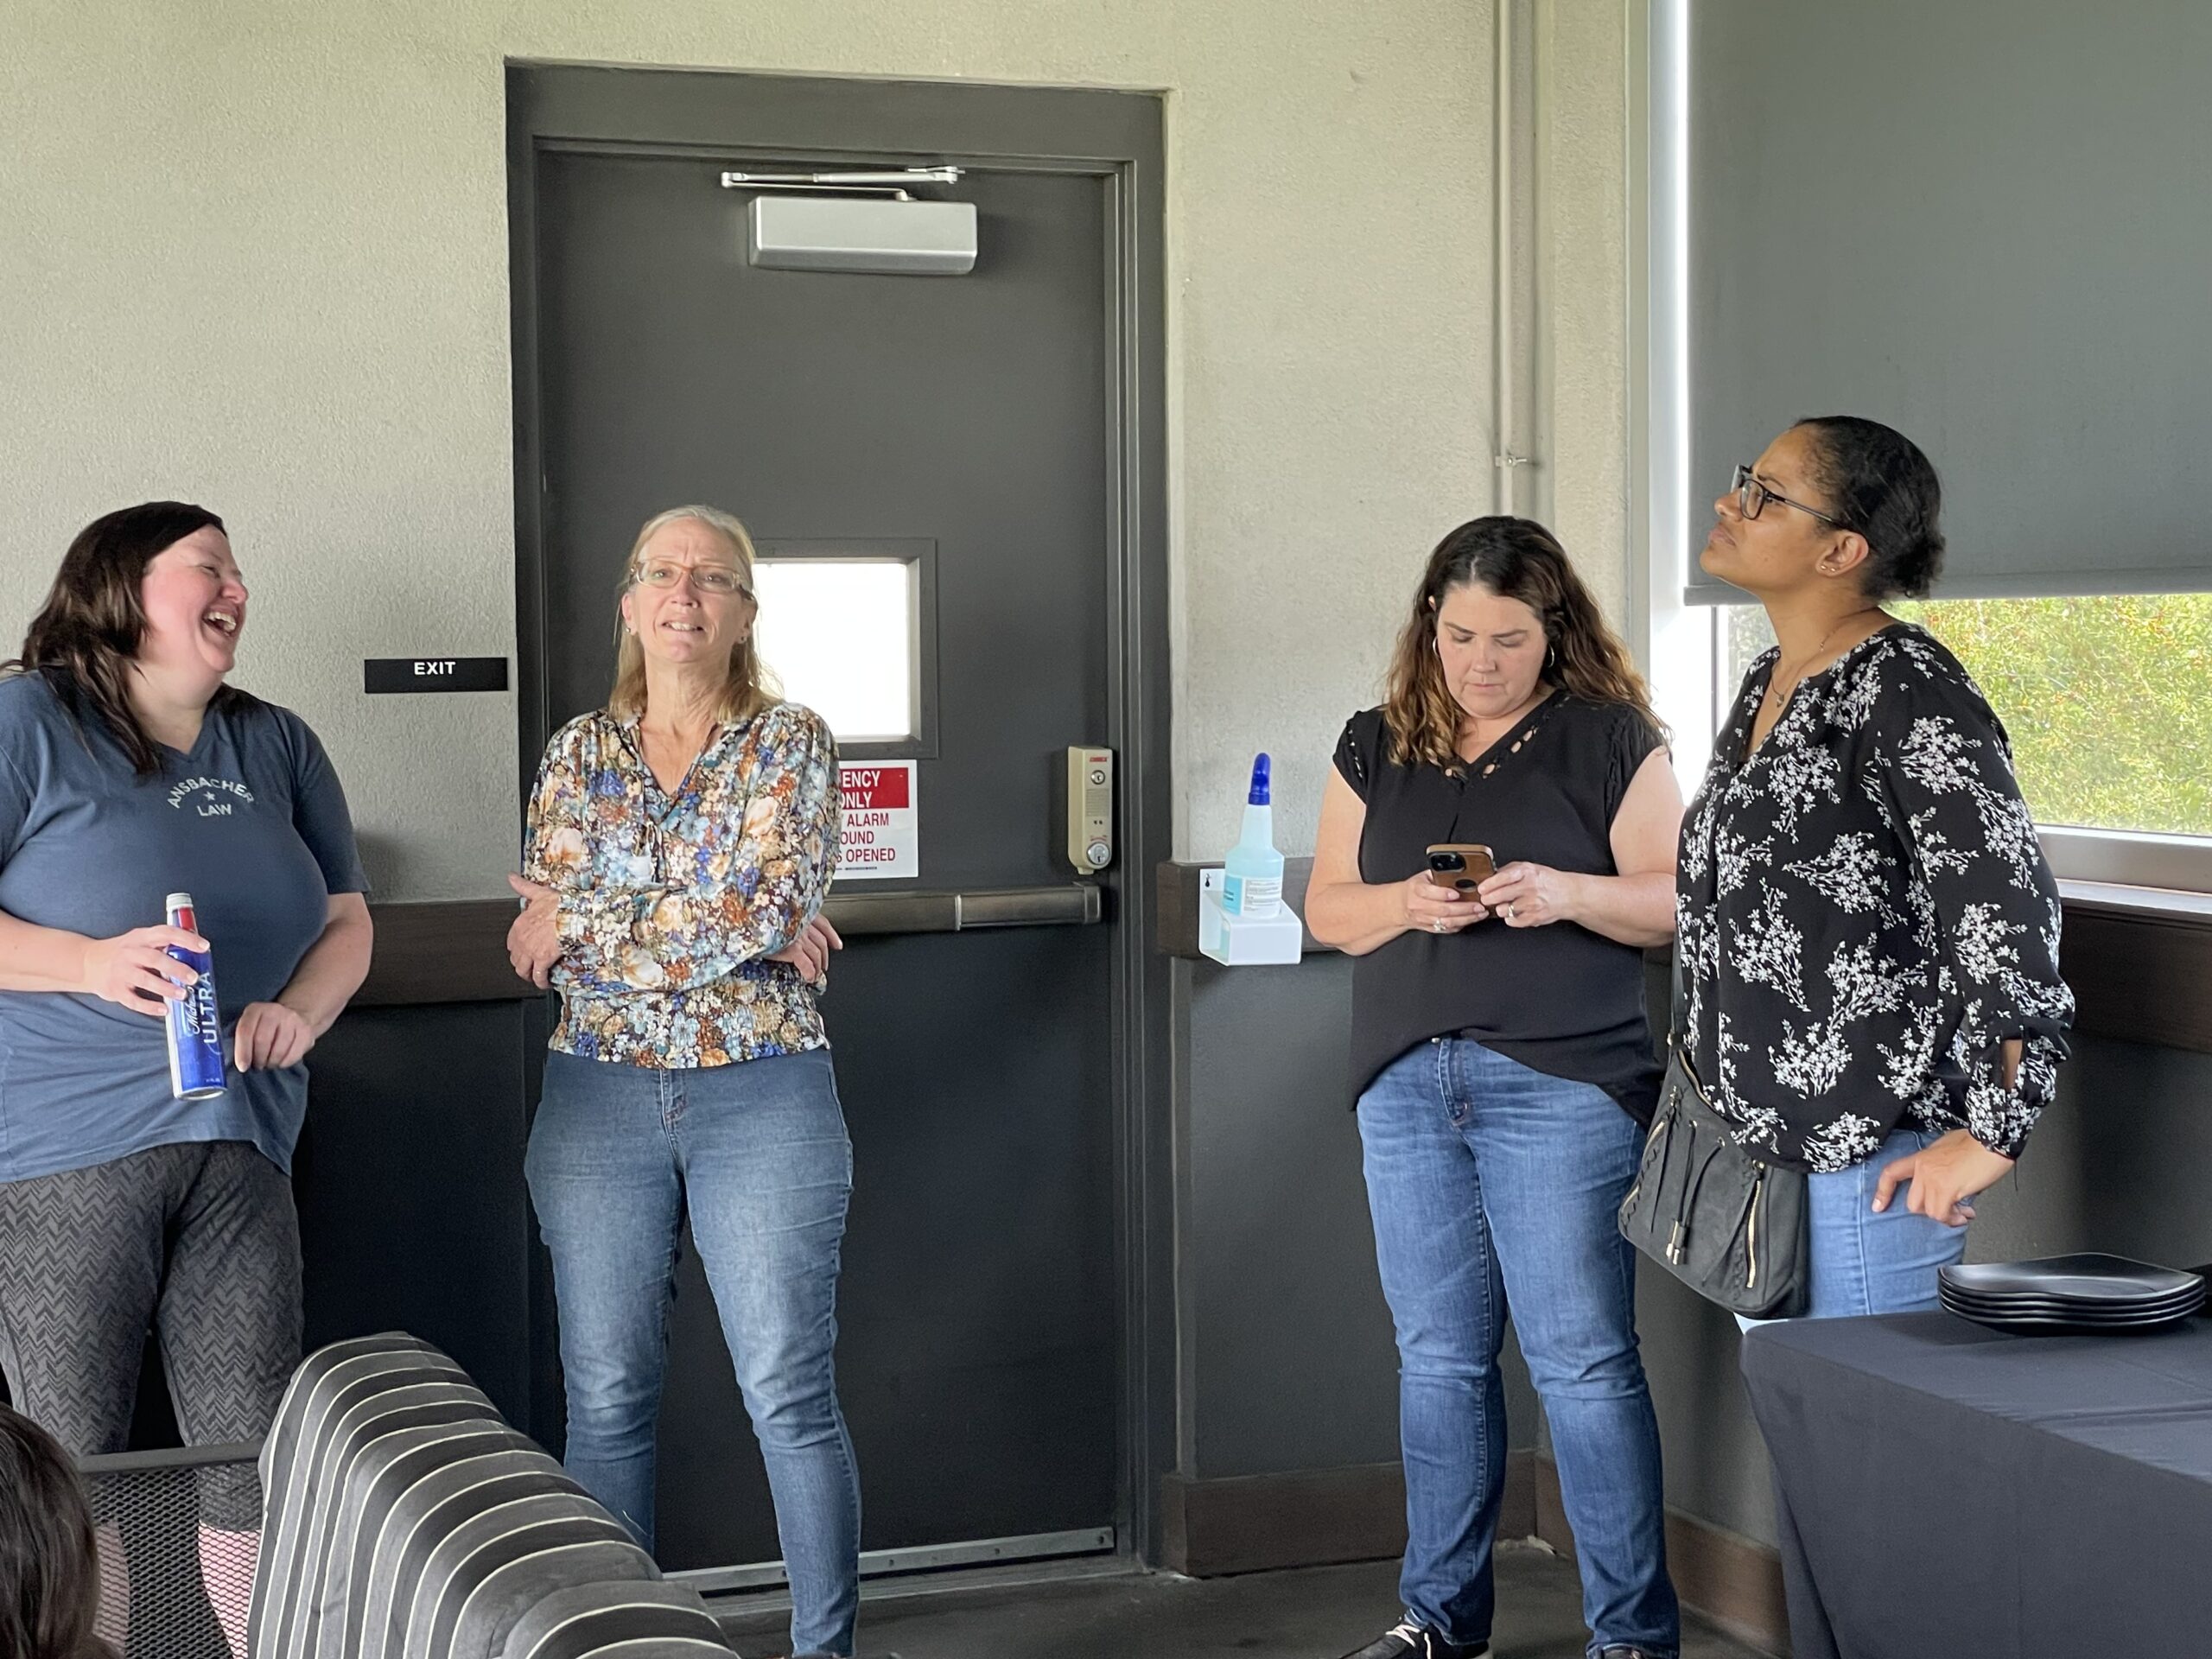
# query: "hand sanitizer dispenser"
[1241,917]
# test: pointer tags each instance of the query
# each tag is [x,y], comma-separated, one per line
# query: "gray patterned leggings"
[198,1241]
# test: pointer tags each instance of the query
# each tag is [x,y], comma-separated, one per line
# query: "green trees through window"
[2107,699]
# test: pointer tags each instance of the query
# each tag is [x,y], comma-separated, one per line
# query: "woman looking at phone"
[1503,1061]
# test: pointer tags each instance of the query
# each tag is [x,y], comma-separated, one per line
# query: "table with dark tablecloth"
[1941,1488]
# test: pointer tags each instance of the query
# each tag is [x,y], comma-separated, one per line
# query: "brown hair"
[84,639]
[1514,558]
[749,687]
[49,1564]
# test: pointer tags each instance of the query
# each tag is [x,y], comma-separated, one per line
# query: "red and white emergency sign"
[879,841]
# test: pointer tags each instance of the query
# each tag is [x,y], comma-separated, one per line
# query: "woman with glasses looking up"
[680,843]
[1868,929]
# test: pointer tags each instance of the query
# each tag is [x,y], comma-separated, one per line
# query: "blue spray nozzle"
[1259,795]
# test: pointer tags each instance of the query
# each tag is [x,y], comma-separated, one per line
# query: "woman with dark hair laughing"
[130,770]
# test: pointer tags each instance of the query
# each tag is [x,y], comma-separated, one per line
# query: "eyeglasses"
[717,578]
[1751,497]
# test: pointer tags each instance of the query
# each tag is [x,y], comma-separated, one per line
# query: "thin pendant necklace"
[1778,692]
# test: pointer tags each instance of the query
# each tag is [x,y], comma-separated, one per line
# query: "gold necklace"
[1778,692]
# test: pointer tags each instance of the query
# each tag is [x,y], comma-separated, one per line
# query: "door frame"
[1116,137]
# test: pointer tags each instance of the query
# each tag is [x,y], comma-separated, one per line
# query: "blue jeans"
[1491,1183]
[1867,1261]
[757,1152]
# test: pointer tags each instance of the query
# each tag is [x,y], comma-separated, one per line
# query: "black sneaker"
[1411,1640]
[1622,1650]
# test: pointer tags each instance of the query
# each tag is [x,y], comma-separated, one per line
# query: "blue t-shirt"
[251,823]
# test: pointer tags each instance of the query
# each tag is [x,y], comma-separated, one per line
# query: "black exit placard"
[433,673]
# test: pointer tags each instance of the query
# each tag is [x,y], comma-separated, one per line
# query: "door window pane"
[840,635]
[2107,698]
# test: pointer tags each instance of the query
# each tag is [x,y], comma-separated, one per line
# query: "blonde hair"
[749,687]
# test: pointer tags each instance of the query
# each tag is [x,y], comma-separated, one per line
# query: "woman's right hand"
[1432,907]
[134,971]
[534,939]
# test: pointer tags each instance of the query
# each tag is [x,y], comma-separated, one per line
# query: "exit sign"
[433,673]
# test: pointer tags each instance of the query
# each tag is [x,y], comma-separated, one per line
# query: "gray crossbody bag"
[1727,1224]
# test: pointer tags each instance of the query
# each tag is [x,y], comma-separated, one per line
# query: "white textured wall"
[255,255]
[1330,288]
[1582,148]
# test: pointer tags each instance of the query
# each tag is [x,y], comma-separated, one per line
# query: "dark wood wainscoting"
[2139,959]
[442,951]
[413,1212]
[2140,964]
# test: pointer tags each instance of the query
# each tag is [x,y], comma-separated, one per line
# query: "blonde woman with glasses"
[680,843]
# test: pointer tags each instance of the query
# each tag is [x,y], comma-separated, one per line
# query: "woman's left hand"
[534,942]
[810,952]
[270,1037]
[1943,1178]
[1529,895]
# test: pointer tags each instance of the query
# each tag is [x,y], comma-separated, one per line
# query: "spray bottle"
[1251,880]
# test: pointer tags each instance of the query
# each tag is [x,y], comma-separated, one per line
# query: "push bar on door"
[1074,905]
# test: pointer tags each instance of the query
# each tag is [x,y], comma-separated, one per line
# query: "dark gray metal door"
[978,1306]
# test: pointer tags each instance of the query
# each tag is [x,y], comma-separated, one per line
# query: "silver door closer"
[859,220]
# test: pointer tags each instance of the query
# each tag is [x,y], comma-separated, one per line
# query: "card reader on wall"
[864,233]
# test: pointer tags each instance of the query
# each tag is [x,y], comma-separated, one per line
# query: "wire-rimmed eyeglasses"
[719,580]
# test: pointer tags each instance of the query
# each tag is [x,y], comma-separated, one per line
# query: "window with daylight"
[2107,698]
[841,636]
[2005,296]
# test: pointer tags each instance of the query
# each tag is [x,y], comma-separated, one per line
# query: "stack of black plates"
[2070,1293]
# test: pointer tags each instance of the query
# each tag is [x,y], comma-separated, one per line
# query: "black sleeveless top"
[1559,999]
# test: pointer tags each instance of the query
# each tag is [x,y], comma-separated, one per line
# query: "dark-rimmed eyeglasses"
[1751,497]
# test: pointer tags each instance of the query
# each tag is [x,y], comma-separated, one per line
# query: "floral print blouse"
[1866,916]
[669,908]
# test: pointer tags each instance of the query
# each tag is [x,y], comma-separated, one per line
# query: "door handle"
[1075,903]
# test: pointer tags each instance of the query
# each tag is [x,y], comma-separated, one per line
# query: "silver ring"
[1438,924]
[1509,910]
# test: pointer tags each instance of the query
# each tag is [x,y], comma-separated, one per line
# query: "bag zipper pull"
[1757,1181]
[1681,1230]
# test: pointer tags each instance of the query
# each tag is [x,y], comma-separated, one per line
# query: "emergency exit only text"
[880,840]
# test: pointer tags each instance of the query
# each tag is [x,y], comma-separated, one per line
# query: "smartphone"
[1464,864]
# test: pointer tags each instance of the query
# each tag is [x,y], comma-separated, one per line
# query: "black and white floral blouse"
[1865,914]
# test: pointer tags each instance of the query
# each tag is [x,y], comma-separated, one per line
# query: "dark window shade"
[1987,223]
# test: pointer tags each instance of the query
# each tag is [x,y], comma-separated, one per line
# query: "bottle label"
[1258,897]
